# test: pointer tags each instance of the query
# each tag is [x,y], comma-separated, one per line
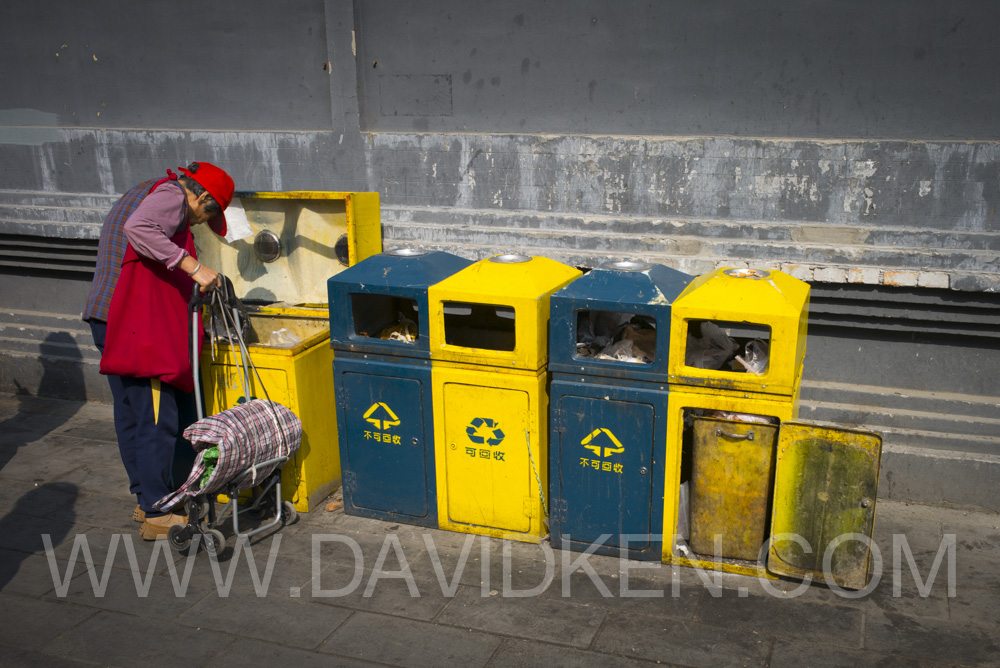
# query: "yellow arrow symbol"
[596,449]
[383,423]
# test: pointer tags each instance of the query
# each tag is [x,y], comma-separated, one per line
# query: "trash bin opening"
[737,347]
[726,490]
[269,331]
[475,325]
[387,317]
[616,336]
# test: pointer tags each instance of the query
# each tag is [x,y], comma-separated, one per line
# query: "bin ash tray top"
[295,244]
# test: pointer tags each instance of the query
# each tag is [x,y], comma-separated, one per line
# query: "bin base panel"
[382,409]
[606,457]
[491,451]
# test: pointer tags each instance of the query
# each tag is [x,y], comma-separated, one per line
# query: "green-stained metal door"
[826,480]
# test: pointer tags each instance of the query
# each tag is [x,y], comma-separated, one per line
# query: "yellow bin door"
[731,487]
[488,472]
[826,480]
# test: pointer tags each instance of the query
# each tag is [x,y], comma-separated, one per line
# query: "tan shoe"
[138,515]
[157,527]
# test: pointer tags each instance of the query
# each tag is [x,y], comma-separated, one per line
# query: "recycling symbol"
[484,430]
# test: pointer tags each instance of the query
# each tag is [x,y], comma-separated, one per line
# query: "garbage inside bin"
[610,335]
[716,345]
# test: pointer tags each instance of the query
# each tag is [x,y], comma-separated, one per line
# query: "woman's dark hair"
[211,206]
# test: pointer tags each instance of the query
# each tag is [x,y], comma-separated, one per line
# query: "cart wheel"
[291,516]
[215,542]
[197,509]
[179,536]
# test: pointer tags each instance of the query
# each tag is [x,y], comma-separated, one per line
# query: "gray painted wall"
[850,144]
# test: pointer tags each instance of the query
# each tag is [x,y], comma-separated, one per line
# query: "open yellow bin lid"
[298,240]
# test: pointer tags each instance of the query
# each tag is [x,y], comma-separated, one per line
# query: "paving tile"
[10,656]
[98,510]
[154,596]
[39,470]
[783,617]
[115,639]
[277,617]
[37,500]
[678,642]
[408,643]
[24,534]
[528,654]
[801,654]
[28,574]
[552,620]
[255,653]
[391,596]
[93,428]
[932,640]
[37,622]
[289,569]
[96,479]
[976,606]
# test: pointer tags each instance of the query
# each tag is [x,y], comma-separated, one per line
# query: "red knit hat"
[218,184]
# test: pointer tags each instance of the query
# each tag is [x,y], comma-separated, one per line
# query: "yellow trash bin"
[299,239]
[737,345]
[488,336]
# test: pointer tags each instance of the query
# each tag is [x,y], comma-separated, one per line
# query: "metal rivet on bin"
[642,471]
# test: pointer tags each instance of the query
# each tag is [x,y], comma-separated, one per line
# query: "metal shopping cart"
[239,449]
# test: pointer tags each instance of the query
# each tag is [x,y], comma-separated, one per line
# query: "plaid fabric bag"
[244,435]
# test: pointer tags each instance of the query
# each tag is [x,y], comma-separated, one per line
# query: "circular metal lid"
[406,252]
[755,274]
[267,246]
[626,265]
[510,258]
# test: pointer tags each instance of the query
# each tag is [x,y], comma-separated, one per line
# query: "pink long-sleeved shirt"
[157,218]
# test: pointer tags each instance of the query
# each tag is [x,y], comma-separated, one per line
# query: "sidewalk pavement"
[337,594]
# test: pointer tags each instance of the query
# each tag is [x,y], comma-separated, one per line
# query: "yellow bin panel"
[824,491]
[767,300]
[298,378]
[484,424]
[681,399]
[520,286]
[732,465]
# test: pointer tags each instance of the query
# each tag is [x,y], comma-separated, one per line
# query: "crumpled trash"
[616,336]
[742,417]
[405,330]
[282,338]
[711,350]
[756,353]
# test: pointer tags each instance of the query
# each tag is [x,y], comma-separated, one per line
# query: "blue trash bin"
[382,383]
[609,339]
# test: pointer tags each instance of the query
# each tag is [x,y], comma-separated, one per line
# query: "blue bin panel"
[385,415]
[607,467]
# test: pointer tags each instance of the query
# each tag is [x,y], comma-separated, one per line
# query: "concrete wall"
[850,144]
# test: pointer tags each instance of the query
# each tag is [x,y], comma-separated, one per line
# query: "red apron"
[149,329]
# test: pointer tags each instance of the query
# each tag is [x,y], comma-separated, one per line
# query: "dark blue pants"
[150,418]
